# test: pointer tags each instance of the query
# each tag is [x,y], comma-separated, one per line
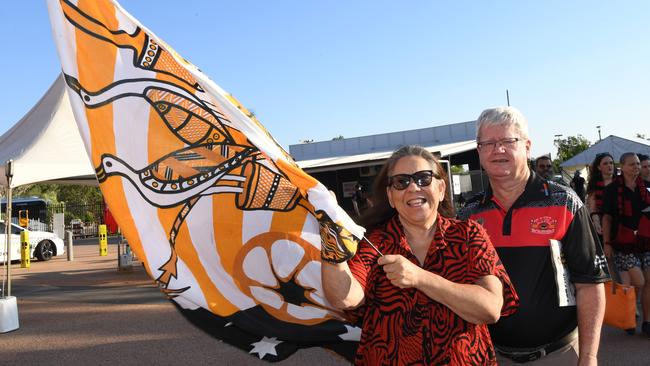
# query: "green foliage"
[55,193]
[457,169]
[569,147]
[339,137]
[73,194]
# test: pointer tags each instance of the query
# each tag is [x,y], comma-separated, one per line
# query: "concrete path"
[86,312]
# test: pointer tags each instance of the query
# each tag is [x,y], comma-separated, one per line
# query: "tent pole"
[9,172]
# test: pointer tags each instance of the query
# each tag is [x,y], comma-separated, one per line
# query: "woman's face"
[416,205]
[606,166]
[631,167]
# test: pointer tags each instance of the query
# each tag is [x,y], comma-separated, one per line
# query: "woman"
[626,230]
[601,174]
[428,298]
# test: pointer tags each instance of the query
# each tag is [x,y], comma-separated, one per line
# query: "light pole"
[599,138]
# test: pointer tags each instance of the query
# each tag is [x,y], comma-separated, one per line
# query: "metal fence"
[82,219]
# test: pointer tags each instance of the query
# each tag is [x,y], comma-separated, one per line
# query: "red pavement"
[86,312]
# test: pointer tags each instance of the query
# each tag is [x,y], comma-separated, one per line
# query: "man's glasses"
[487,146]
[401,181]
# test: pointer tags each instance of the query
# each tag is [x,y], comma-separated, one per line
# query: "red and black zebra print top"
[598,195]
[404,326]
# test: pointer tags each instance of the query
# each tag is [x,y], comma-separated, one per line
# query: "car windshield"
[14,229]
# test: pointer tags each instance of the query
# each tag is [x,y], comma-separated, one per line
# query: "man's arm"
[590,298]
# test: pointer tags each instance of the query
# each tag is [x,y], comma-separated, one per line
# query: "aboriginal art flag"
[220,215]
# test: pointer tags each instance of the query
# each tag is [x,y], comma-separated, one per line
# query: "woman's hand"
[608,251]
[400,271]
[597,226]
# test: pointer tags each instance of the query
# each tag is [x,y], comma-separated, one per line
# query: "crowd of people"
[515,276]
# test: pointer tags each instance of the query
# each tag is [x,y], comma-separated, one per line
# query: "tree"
[570,147]
[642,136]
[55,193]
[457,169]
[339,137]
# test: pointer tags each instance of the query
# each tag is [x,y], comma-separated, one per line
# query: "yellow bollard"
[25,253]
[103,242]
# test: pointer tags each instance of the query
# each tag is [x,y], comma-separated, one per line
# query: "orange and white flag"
[221,216]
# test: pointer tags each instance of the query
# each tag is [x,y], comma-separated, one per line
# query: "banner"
[221,216]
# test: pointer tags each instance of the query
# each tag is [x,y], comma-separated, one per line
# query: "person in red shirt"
[601,175]
[626,230]
[548,245]
[426,293]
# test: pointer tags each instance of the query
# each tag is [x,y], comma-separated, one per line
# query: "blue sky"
[319,69]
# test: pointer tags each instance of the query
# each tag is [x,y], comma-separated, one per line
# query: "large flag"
[221,216]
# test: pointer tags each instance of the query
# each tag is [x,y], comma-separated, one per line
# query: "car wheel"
[44,250]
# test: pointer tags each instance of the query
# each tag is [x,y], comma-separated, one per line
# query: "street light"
[599,138]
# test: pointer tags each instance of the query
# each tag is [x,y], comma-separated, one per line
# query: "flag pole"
[373,246]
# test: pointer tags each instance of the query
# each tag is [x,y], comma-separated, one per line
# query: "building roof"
[374,158]
[385,142]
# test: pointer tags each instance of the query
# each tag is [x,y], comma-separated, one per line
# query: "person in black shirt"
[578,185]
[525,216]
[626,230]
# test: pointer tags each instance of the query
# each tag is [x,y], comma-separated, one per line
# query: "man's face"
[645,170]
[631,167]
[544,168]
[502,161]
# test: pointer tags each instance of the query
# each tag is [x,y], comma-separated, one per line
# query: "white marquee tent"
[611,144]
[45,144]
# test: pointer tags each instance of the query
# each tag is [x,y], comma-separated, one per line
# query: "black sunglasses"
[401,181]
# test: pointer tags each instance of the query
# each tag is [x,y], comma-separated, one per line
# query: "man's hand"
[400,271]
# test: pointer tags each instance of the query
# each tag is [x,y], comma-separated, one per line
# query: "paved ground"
[86,312]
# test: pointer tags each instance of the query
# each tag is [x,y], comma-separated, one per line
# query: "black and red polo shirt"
[405,326]
[544,211]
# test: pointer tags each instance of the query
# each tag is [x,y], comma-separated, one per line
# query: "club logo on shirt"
[543,225]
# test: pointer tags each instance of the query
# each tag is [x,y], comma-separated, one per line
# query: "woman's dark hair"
[381,210]
[595,175]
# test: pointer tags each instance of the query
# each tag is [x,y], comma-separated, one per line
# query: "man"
[645,167]
[522,213]
[544,167]
[578,185]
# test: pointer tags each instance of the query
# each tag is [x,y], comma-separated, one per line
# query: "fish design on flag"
[183,163]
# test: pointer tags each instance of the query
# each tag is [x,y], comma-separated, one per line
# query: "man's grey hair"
[502,116]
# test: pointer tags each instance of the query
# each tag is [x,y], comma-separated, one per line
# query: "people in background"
[360,199]
[544,167]
[626,230]
[578,185]
[523,213]
[645,166]
[601,174]
[426,299]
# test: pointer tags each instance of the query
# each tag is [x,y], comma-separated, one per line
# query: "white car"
[43,245]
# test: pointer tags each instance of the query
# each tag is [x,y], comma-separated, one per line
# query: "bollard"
[25,253]
[103,242]
[68,245]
